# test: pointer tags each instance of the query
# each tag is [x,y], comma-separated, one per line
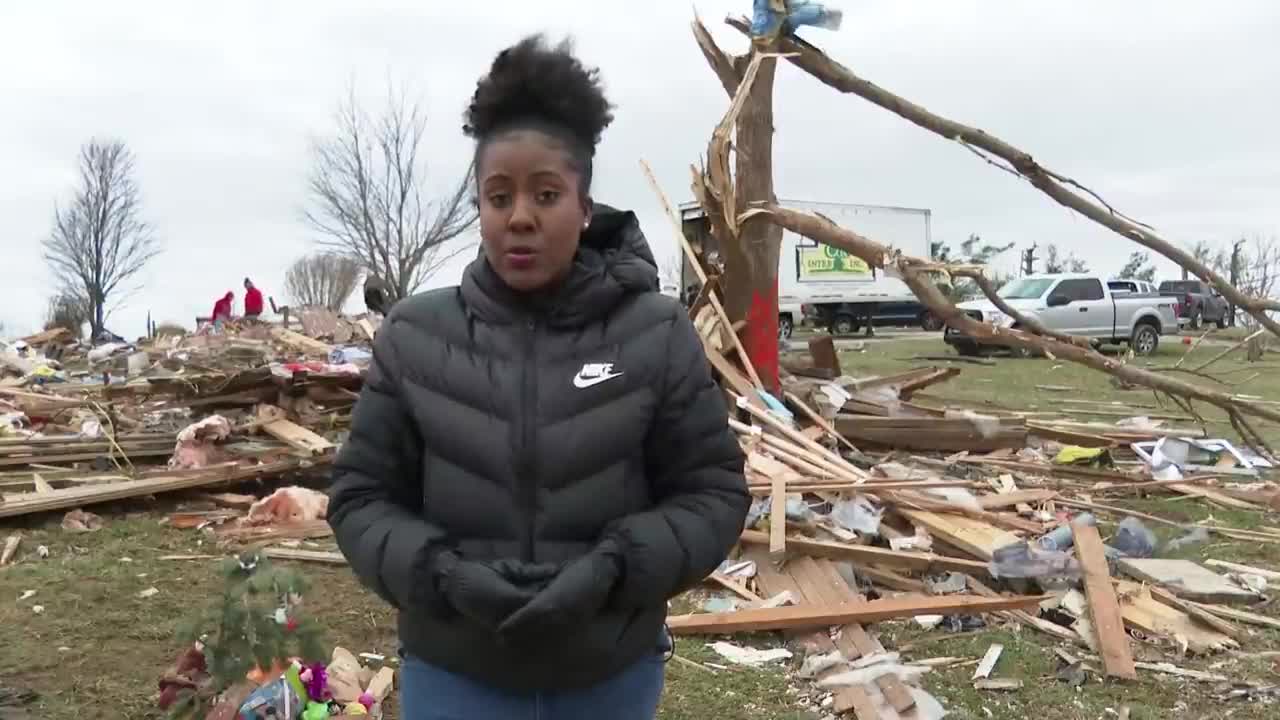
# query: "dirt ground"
[98,647]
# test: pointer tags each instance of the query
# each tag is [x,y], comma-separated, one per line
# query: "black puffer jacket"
[505,430]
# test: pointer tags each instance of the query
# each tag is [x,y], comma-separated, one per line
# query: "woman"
[539,459]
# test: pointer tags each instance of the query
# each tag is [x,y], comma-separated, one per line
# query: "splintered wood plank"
[1017,497]
[775,582]
[298,437]
[975,537]
[894,690]
[873,556]
[785,618]
[1151,616]
[734,587]
[317,556]
[1186,579]
[301,342]
[817,589]
[1104,608]
[778,517]
[859,701]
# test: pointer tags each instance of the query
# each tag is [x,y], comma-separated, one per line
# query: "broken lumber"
[977,434]
[73,497]
[10,548]
[1104,608]
[923,562]
[317,556]
[809,616]
[1246,569]
[298,437]
[1185,579]
[298,341]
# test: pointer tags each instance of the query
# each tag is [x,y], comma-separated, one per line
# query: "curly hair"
[532,86]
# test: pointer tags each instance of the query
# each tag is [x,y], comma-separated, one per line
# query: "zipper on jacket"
[527,467]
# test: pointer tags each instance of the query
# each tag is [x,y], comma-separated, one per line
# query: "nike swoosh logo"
[581,382]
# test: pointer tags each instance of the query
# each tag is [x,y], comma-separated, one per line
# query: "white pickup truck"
[1077,305]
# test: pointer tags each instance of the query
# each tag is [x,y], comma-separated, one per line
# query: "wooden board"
[1015,498]
[923,562]
[975,537]
[1186,579]
[301,342]
[778,516]
[298,437]
[933,433]
[811,616]
[317,556]
[1241,616]
[1104,608]
[1246,569]
[1151,616]
[67,498]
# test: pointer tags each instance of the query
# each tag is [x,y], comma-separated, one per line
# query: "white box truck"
[828,287]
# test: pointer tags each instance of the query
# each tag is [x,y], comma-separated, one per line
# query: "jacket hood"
[613,261]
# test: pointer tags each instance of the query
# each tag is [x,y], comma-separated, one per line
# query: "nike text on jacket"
[505,430]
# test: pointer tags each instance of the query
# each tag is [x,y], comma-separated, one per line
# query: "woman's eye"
[499,200]
[547,197]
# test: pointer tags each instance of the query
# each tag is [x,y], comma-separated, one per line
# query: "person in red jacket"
[252,300]
[222,309]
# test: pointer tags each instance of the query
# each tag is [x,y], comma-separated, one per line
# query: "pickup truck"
[1198,302]
[1077,305]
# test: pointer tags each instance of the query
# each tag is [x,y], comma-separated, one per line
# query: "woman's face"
[531,209]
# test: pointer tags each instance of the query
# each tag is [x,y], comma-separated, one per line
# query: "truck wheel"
[844,324]
[1197,319]
[1145,340]
[785,327]
[1222,322]
[930,322]
[968,349]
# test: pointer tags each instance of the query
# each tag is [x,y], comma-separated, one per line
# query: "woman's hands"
[525,601]
[490,592]
[577,592]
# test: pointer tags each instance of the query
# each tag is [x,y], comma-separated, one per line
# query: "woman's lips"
[521,258]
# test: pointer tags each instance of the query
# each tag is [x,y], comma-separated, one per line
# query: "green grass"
[1014,384]
[98,649]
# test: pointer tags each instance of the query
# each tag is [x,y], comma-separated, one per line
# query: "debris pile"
[82,425]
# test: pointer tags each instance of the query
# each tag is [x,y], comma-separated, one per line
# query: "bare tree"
[66,311]
[1258,268]
[99,240]
[1139,267]
[368,195]
[1055,264]
[325,279]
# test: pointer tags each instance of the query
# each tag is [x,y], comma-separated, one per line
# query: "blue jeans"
[430,693]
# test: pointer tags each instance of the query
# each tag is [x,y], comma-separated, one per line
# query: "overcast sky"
[1168,108]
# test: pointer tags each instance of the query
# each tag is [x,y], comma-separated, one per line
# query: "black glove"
[580,590]
[489,592]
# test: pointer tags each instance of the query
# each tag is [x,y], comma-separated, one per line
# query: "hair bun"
[532,82]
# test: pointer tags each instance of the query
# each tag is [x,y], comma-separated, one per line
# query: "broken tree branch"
[817,63]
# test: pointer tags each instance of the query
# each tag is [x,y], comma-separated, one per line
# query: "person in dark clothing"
[377,295]
[540,458]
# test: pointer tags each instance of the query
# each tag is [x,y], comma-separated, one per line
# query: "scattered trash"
[1194,536]
[1133,539]
[37,609]
[196,446]
[81,522]
[948,584]
[289,505]
[149,592]
[858,515]
[26,595]
[747,655]
[719,604]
